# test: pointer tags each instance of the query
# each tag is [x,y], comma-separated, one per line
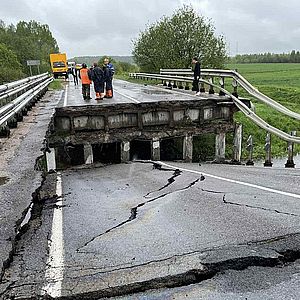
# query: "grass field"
[281,82]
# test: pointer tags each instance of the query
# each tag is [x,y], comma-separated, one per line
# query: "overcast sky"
[98,27]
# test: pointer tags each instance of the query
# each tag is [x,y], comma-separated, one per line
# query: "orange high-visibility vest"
[84,76]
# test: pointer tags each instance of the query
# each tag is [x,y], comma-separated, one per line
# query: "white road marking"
[66,96]
[55,264]
[126,96]
[236,181]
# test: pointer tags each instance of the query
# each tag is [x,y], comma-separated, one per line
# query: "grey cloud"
[94,27]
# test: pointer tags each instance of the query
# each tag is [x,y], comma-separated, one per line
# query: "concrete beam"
[88,154]
[220,147]
[237,147]
[188,148]
[125,151]
[155,149]
[50,159]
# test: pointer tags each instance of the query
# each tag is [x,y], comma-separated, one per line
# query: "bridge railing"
[238,79]
[178,80]
[24,93]
[12,90]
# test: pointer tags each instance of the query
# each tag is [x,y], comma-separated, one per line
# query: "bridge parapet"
[124,123]
[154,118]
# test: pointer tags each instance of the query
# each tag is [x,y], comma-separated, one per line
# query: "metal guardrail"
[9,86]
[10,91]
[224,73]
[10,111]
[239,79]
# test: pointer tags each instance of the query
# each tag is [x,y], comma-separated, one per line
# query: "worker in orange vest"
[85,77]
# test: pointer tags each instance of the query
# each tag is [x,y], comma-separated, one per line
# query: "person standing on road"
[85,77]
[98,78]
[74,74]
[109,73]
[197,73]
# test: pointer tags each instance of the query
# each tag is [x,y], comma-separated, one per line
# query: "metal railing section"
[243,108]
[17,105]
[243,82]
[12,90]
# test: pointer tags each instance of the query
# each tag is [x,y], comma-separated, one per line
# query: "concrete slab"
[127,92]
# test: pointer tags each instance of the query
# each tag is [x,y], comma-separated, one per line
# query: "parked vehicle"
[59,64]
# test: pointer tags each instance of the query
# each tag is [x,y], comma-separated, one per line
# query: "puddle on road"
[3,180]
[155,92]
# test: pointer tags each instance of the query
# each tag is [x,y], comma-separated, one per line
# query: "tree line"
[122,64]
[292,57]
[21,42]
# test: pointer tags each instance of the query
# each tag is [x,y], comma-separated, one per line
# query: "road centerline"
[263,188]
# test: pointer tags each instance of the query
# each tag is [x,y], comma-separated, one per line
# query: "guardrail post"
[4,131]
[50,159]
[268,161]
[250,150]
[155,149]
[125,151]
[88,154]
[188,148]
[170,85]
[174,85]
[290,161]
[237,144]
[222,84]
[211,88]
[220,147]
[165,83]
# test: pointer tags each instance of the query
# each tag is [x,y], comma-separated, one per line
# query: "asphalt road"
[143,230]
[128,228]
[18,155]
[127,92]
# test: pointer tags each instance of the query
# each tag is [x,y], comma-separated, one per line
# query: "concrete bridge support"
[188,148]
[88,154]
[155,149]
[125,151]
[220,147]
[237,146]
[50,159]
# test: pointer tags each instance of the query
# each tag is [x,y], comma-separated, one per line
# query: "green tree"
[9,65]
[173,41]
[121,67]
[29,40]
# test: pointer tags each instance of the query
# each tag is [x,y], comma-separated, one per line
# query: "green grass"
[281,82]
[56,85]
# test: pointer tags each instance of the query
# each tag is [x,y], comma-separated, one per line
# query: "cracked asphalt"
[18,155]
[150,231]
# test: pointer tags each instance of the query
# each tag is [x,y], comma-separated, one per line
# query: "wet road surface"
[127,228]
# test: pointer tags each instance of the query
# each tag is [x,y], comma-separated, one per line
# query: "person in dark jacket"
[98,77]
[75,75]
[197,73]
[109,73]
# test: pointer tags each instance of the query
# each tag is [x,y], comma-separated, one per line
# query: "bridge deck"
[126,92]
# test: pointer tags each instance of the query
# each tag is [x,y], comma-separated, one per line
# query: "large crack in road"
[134,210]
